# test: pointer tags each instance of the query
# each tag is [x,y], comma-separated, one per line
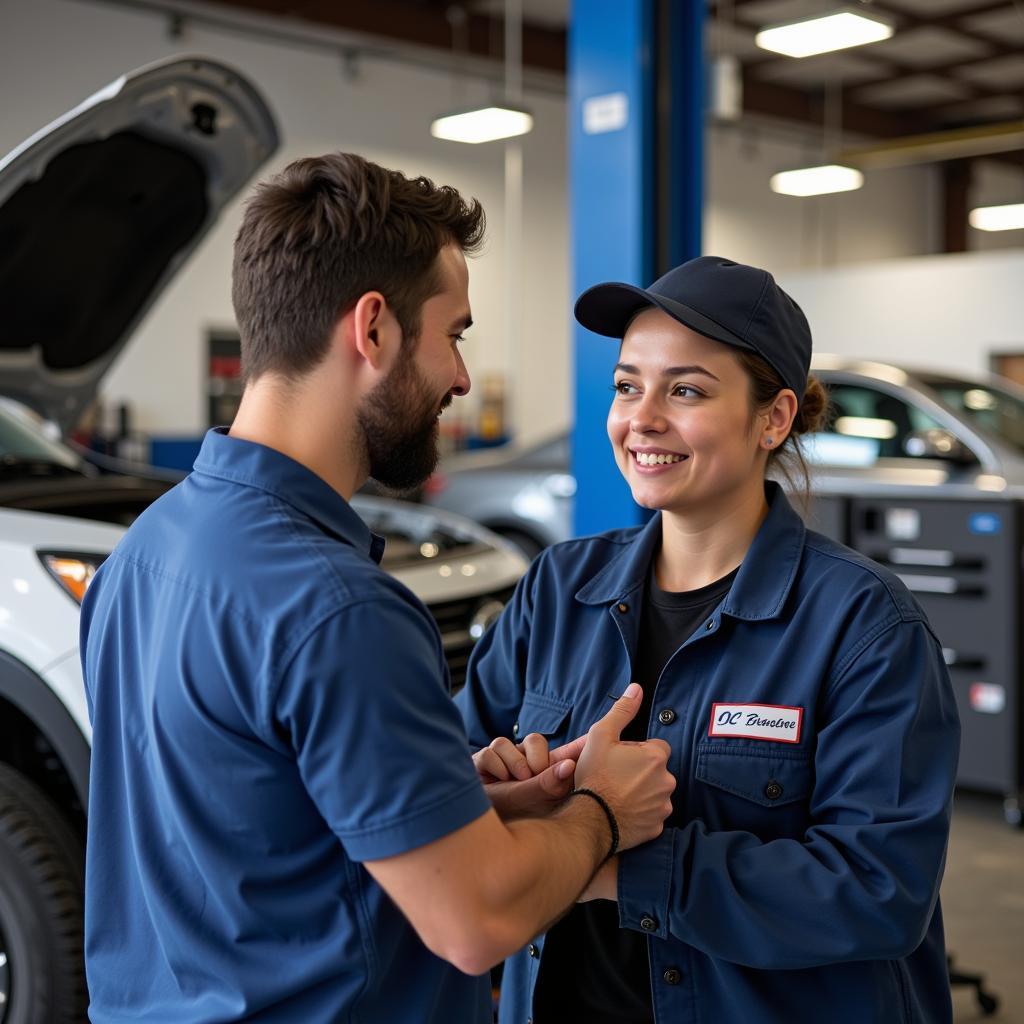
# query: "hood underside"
[100,210]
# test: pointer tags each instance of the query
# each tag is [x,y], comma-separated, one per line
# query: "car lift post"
[636,112]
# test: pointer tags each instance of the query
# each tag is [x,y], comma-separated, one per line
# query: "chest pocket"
[769,778]
[539,713]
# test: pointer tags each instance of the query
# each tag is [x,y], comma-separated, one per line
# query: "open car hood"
[100,209]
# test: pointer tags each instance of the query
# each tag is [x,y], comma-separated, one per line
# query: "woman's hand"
[527,779]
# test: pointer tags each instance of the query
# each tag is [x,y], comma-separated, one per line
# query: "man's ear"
[372,325]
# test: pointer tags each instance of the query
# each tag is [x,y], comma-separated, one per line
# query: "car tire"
[528,545]
[42,972]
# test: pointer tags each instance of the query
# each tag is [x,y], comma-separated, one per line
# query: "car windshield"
[23,443]
[999,411]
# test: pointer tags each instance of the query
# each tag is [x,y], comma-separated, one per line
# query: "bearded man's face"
[399,423]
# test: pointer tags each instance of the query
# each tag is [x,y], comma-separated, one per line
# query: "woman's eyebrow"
[669,371]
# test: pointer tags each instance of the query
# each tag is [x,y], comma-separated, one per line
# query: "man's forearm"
[546,865]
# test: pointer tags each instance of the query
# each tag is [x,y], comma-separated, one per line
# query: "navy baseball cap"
[725,301]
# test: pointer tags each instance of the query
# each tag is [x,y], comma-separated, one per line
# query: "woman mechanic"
[812,723]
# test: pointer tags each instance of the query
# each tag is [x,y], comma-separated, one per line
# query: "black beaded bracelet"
[612,823]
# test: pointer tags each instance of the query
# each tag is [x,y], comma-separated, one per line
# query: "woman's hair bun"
[813,413]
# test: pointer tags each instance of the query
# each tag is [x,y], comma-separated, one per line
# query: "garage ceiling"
[951,63]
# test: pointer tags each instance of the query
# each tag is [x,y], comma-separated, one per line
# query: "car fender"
[31,695]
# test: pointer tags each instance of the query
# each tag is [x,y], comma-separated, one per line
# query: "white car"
[97,213]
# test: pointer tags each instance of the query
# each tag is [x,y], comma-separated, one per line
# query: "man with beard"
[285,822]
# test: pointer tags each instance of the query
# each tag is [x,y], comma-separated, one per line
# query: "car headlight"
[72,570]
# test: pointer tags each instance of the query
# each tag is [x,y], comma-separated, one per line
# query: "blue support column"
[680,131]
[636,131]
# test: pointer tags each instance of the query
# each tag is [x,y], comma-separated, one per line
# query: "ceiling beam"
[953,22]
[895,70]
[889,70]
[950,20]
[776,100]
[943,70]
[950,17]
[771,99]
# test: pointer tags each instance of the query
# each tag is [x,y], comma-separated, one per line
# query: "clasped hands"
[527,779]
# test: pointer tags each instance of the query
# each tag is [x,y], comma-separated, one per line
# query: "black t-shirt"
[592,969]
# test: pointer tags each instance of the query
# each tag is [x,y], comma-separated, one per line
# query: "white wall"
[53,53]
[894,215]
[937,311]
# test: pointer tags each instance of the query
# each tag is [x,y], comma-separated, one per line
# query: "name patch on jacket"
[775,722]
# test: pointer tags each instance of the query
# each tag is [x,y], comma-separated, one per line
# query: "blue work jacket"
[814,734]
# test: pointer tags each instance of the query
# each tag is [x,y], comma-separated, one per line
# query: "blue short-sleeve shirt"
[269,709]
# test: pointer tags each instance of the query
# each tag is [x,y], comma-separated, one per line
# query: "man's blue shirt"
[269,709]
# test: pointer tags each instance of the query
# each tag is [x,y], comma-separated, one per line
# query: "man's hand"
[526,779]
[633,777]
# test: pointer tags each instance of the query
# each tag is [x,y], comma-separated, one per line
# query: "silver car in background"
[896,429]
[523,494]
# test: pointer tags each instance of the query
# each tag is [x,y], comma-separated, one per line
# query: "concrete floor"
[983,904]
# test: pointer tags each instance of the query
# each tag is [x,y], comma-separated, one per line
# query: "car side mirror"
[938,443]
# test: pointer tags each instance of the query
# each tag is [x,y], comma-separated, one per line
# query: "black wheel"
[529,545]
[42,974]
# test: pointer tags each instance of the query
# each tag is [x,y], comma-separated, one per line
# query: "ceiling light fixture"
[839,30]
[503,118]
[484,124]
[998,218]
[816,181]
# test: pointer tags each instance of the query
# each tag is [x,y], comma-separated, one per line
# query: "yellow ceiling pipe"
[931,147]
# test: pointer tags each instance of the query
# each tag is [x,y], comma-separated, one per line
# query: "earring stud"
[768,442]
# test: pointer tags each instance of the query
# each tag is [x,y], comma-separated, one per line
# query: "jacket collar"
[762,584]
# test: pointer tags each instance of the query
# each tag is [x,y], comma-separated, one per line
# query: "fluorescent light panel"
[483,125]
[837,31]
[816,181]
[998,218]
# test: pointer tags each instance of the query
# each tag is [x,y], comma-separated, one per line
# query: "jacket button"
[773,790]
[648,924]
[667,717]
[710,625]
[515,729]
[534,951]
[623,608]
[672,976]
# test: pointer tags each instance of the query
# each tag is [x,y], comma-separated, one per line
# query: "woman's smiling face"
[680,422]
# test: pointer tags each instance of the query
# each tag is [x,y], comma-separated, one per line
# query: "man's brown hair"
[325,231]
